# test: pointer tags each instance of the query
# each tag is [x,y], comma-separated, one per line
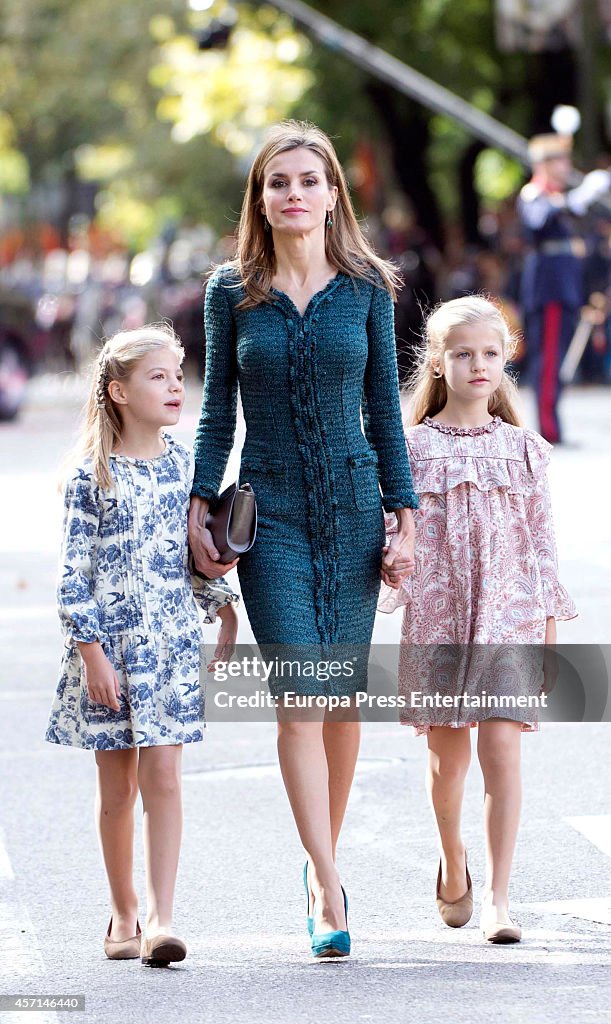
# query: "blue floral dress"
[124,581]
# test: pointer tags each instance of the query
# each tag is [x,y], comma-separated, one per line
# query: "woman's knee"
[300,734]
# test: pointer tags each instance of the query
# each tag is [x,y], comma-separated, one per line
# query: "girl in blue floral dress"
[129,682]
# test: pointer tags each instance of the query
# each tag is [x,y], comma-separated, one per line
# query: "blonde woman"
[302,322]
[486,574]
[129,683]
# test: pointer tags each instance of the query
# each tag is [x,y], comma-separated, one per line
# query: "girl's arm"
[78,610]
[227,636]
[558,603]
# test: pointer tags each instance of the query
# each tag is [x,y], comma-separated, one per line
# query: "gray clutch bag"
[232,521]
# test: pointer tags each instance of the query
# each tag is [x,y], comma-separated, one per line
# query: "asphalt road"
[240,905]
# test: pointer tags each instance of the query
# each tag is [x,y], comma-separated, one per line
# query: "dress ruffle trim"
[558,602]
[516,472]
[389,599]
[448,428]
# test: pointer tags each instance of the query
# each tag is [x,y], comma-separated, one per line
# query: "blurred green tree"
[80,101]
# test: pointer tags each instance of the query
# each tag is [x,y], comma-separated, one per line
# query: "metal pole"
[585,56]
[404,78]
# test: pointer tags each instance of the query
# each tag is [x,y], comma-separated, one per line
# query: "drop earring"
[329,222]
[437,374]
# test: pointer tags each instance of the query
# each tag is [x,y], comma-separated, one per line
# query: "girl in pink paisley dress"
[485,582]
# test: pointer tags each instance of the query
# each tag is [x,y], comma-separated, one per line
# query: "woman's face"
[296,194]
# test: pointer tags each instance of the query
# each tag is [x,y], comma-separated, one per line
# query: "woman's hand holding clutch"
[202,546]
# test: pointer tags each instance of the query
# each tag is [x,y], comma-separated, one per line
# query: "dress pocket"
[268,479]
[365,482]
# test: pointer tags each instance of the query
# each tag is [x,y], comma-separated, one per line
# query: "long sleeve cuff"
[391,502]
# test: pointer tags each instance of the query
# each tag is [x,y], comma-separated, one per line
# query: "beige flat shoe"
[502,933]
[457,912]
[124,949]
[162,950]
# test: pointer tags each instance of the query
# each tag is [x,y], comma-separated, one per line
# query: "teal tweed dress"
[313,575]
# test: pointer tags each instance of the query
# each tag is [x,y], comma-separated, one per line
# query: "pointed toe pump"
[332,944]
[310,918]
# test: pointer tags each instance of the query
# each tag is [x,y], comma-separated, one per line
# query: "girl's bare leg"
[498,750]
[160,785]
[448,763]
[117,790]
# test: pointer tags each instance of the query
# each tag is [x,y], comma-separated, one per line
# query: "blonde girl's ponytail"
[101,428]
[429,391]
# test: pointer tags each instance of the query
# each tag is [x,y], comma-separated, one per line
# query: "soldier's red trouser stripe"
[552,324]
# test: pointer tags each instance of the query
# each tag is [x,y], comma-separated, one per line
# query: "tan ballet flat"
[124,949]
[502,933]
[162,950]
[458,912]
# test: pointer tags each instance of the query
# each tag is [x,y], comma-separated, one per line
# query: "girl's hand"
[205,554]
[102,681]
[226,639]
[550,658]
[398,557]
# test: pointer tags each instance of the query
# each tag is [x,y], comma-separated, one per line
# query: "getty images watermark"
[434,684]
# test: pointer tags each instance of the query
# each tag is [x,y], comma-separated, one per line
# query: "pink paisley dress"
[486,565]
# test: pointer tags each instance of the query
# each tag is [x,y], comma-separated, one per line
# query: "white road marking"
[598,910]
[21,956]
[6,869]
[20,950]
[596,828]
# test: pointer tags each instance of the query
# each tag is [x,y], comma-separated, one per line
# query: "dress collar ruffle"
[446,428]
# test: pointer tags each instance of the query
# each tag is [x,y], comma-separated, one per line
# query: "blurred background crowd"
[126,131]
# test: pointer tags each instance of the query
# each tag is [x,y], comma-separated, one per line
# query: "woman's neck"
[464,414]
[140,441]
[300,259]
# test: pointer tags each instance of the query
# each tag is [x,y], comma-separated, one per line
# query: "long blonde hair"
[101,428]
[430,393]
[347,248]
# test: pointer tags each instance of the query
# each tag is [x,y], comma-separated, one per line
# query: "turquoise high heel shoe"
[332,943]
[305,885]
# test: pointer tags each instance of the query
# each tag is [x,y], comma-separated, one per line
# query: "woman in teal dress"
[302,321]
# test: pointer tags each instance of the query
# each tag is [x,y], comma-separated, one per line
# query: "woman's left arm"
[384,430]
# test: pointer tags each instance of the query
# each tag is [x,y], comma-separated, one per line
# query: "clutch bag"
[232,521]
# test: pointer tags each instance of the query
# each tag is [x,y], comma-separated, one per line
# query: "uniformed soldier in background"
[552,287]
